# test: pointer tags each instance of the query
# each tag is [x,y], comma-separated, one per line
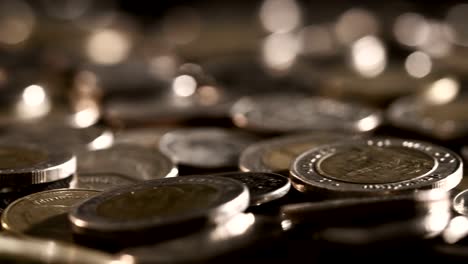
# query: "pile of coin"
[151,147]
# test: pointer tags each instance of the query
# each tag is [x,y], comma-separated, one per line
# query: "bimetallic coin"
[44,213]
[376,166]
[276,155]
[25,164]
[161,203]
[460,203]
[205,147]
[120,165]
[263,187]
[295,112]
[41,251]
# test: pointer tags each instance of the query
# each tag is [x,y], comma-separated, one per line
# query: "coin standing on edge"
[376,166]
[263,187]
[281,113]
[160,203]
[277,154]
[30,214]
[205,147]
[119,165]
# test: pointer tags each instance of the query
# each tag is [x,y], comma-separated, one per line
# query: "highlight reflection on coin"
[160,203]
[376,166]
[276,155]
[44,213]
[145,137]
[460,203]
[25,164]
[302,113]
[119,165]
[205,147]
[263,187]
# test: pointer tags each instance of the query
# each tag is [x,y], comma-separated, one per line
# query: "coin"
[296,112]
[263,187]
[276,155]
[212,242]
[44,213]
[145,137]
[376,166]
[162,203]
[460,204]
[33,250]
[119,165]
[22,164]
[205,147]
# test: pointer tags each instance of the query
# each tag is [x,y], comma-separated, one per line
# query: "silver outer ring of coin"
[251,158]
[60,164]
[446,174]
[5,223]
[404,113]
[234,199]
[108,160]
[253,113]
[49,251]
[265,197]
[208,133]
[458,205]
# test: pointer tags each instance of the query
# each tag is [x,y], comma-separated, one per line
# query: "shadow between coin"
[57,228]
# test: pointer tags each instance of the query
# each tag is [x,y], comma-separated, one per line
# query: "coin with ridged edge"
[22,164]
[161,203]
[276,154]
[376,166]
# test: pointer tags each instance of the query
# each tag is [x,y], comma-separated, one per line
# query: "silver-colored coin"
[376,166]
[44,213]
[25,164]
[120,165]
[41,251]
[277,154]
[293,113]
[440,120]
[159,203]
[205,147]
[240,232]
[263,187]
[460,203]
[145,137]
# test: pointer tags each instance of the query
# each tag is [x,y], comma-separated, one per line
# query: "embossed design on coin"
[376,166]
[276,155]
[101,181]
[205,147]
[263,187]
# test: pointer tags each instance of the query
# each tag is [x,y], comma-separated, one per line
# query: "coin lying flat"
[161,203]
[263,187]
[296,112]
[38,251]
[25,164]
[44,213]
[276,155]
[205,147]
[460,203]
[145,137]
[376,166]
[119,165]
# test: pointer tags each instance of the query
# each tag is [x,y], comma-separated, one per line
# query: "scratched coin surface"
[276,155]
[263,187]
[161,202]
[379,165]
[43,213]
[119,165]
[205,147]
[302,113]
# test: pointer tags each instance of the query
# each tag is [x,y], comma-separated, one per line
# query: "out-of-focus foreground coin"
[276,155]
[165,205]
[26,164]
[263,187]
[242,232]
[460,203]
[376,166]
[39,251]
[145,137]
[119,165]
[44,214]
[296,112]
[205,147]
